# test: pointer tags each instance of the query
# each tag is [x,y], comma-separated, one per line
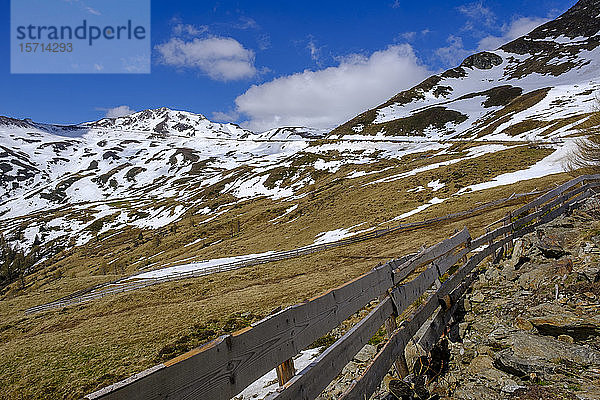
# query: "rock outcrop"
[530,327]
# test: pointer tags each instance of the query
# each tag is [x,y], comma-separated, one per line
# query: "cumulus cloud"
[330,96]
[225,116]
[119,111]
[221,58]
[517,28]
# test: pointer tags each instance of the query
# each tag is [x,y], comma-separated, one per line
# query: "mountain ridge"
[176,163]
[437,107]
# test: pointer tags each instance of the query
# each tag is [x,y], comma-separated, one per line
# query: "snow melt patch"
[358,174]
[287,211]
[255,187]
[267,384]
[160,217]
[417,210]
[472,153]
[332,236]
[331,166]
[436,185]
[416,190]
[194,267]
[552,164]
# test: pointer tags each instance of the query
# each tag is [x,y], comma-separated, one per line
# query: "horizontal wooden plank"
[490,236]
[311,381]
[544,215]
[549,195]
[226,367]
[406,294]
[432,253]
[555,192]
[574,203]
[466,276]
[373,375]
[519,223]
[331,362]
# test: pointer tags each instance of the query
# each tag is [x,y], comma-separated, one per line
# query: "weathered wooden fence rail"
[222,368]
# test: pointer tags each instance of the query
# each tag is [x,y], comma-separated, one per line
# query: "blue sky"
[272,63]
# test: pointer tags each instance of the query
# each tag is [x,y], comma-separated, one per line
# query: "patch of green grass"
[379,337]
[323,342]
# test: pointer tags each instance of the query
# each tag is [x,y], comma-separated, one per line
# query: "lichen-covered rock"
[483,60]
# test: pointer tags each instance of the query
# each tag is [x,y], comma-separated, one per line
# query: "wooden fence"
[133,282]
[225,366]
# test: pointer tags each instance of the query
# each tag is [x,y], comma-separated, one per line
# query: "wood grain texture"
[311,381]
[226,366]
[285,371]
[432,253]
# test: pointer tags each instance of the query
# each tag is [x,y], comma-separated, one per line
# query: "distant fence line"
[222,368]
[131,283]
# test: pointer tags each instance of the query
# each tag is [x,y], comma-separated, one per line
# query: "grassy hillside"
[70,352]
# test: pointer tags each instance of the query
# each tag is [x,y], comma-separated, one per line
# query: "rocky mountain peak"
[508,85]
[577,29]
[13,122]
[160,120]
[483,60]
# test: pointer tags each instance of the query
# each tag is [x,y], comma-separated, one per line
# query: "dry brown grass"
[67,353]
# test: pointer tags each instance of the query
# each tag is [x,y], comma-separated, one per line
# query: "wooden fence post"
[506,234]
[400,363]
[285,371]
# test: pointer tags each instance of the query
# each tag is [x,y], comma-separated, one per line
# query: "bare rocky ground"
[528,329]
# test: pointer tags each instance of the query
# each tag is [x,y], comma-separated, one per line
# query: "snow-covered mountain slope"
[71,183]
[537,86]
[293,133]
[164,121]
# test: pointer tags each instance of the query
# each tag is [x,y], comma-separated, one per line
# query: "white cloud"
[328,97]
[119,111]
[478,13]
[454,53]
[517,28]
[221,58]
[180,29]
[264,41]
[93,11]
[227,116]
[246,23]
[315,51]
[408,36]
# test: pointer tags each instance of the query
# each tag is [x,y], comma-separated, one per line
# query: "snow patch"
[436,185]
